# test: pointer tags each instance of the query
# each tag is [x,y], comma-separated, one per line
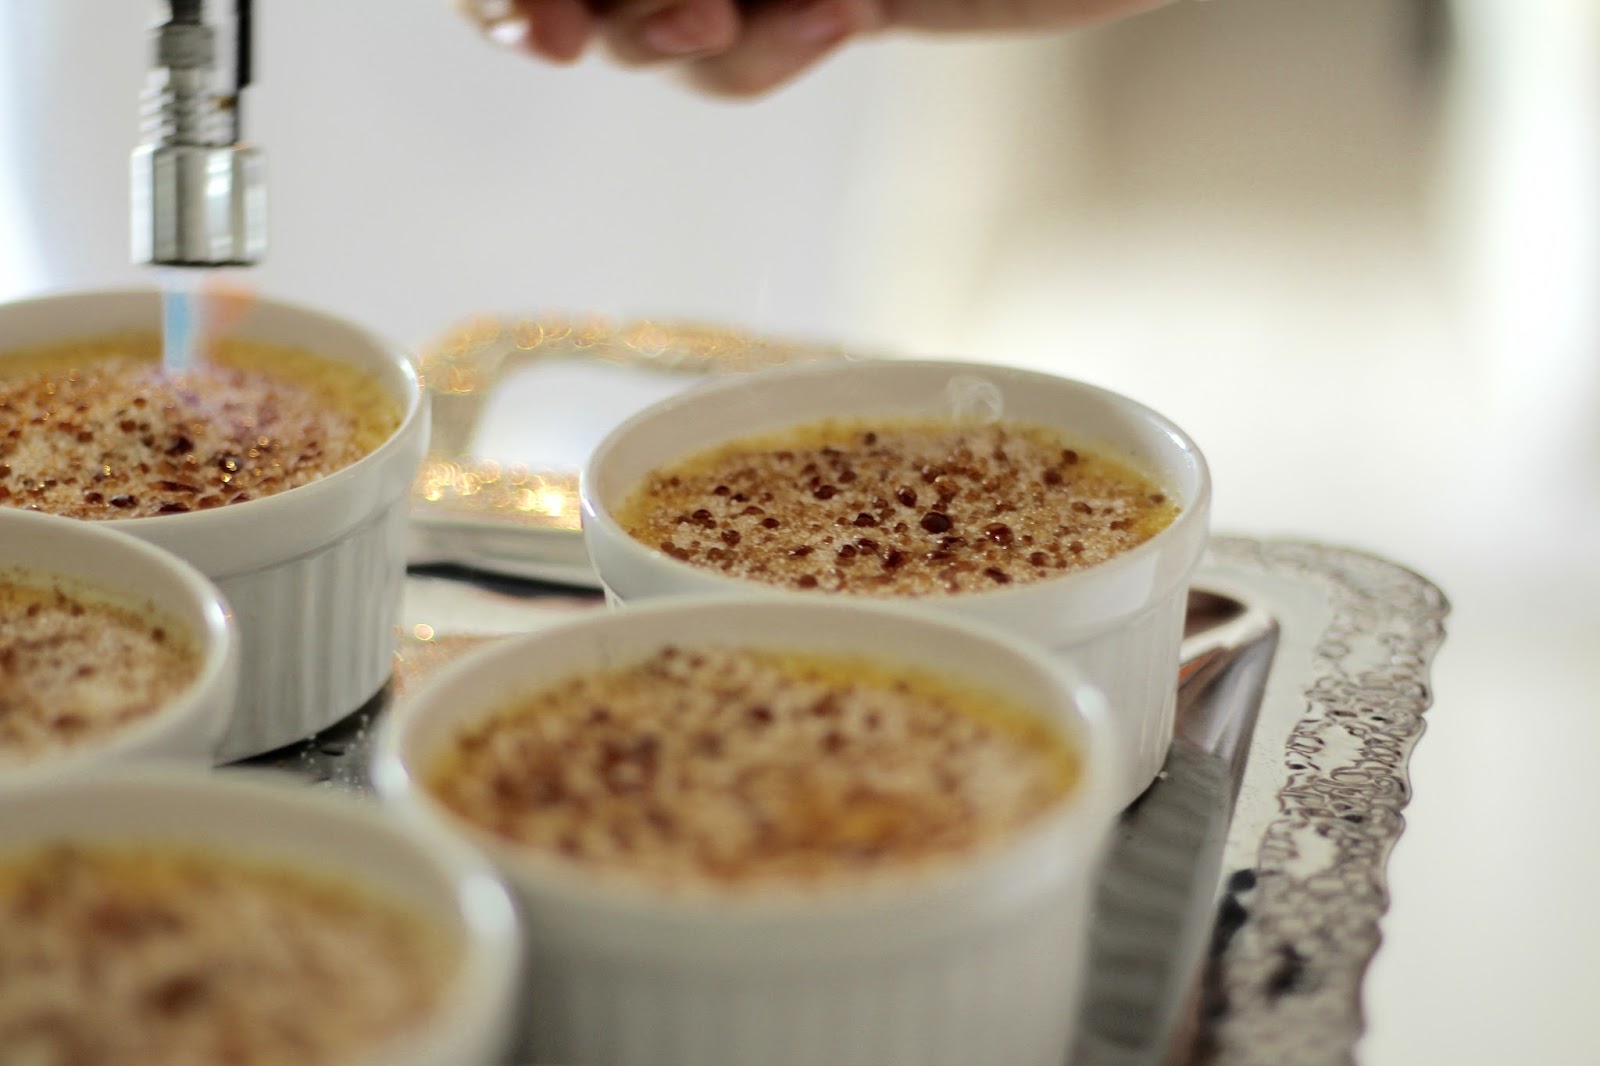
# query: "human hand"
[748,47]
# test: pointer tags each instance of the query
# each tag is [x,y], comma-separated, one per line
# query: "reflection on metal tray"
[476,501]
[1289,904]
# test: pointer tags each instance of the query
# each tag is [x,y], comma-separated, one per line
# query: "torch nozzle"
[198,191]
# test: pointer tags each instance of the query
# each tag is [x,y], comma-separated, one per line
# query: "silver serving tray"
[1293,918]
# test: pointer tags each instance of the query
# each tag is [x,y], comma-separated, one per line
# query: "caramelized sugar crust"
[130,956]
[75,667]
[898,508]
[737,767]
[96,429]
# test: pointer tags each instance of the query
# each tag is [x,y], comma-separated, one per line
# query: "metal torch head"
[198,193]
[199,205]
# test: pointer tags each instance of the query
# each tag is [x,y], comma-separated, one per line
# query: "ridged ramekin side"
[1134,667]
[1001,994]
[316,634]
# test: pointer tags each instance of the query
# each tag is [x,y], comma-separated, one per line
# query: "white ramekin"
[314,574]
[262,816]
[1120,622]
[976,961]
[105,564]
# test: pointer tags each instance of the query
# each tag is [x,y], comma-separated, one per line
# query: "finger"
[556,30]
[649,31]
[780,40]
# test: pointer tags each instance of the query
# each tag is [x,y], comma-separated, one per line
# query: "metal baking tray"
[1265,964]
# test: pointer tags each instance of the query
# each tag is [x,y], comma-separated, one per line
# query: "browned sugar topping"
[115,957]
[98,430]
[902,508]
[736,767]
[75,668]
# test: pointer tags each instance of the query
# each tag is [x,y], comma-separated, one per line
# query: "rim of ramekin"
[482,991]
[1083,814]
[333,483]
[598,511]
[217,639]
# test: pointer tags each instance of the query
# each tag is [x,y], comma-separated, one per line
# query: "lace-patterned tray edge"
[1294,934]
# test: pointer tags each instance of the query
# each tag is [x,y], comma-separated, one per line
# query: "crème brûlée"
[742,768]
[76,666]
[98,429]
[132,954]
[898,507]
